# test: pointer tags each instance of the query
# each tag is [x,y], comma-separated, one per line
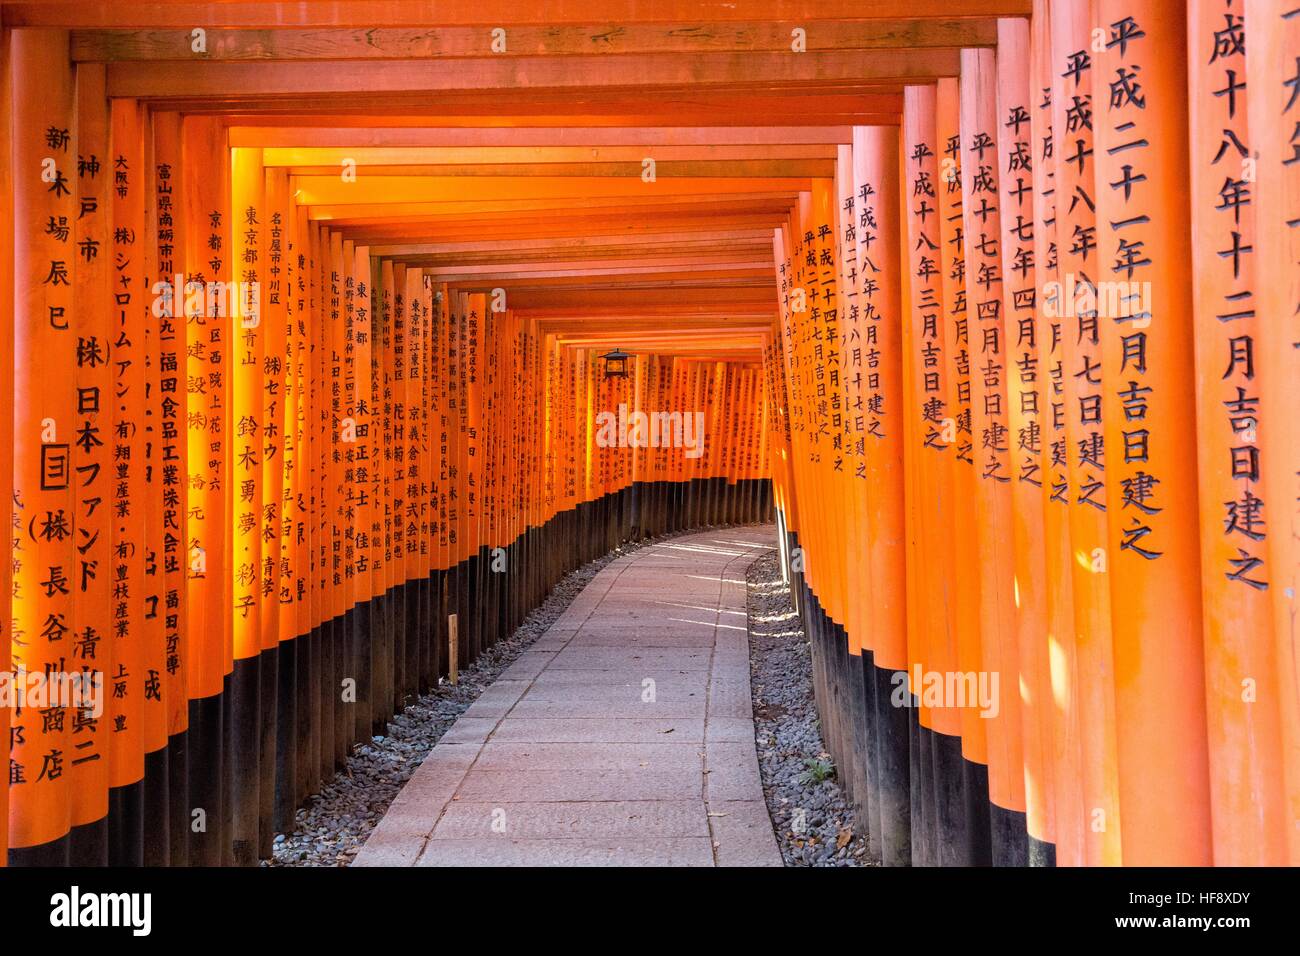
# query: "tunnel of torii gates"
[991,306]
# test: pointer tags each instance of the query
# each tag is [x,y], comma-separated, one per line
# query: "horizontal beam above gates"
[592,105]
[654,316]
[755,268]
[398,212]
[630,169]
[416,13]
[386,232]
[667,118]
[404,190]
[571,325]
[587,244]
[334,156]
[236,81]
[398,43]
[358,132]
[595,296]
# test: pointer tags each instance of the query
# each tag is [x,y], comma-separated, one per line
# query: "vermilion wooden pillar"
[880,242]
[277,669]
[1244,721]
[92,458]
[367,581]
[293,724]
[875,176]
[958,426]
[208,335]
[838,474]
[991,436]
[1066,753]
[1139,88]
[846,257]
[1272,37]
[1079,273]
[43,572]
[1024,371]
[172,470]
[852,450]
[941,824]
[245,497]
[155,802]
[130,305]
[43,179]
[324,411]
[6,388]
[275,316]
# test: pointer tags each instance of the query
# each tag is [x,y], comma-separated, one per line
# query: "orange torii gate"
[992,313]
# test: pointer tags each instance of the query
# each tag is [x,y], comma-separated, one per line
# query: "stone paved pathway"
[623,737]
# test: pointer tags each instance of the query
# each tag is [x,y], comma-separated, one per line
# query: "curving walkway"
[623,736]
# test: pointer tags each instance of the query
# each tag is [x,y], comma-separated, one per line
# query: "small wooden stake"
[451,648]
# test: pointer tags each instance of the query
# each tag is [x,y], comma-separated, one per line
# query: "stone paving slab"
[668,688]
[588,677]
[624,658]
[505,755]
[600,729]
[590,819]
[633,709]
[689,851]
[563,762]
[510,786]
[643,638]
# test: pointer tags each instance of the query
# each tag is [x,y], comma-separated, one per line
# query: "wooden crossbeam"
[668,169]
[361,132]
[395,210]
[399,43]
[586,244]
[715,114]
[633,295]
[588,272]
[604,228]
[312,190]
[298,157]
[596,104]
[234,81]
[246,14]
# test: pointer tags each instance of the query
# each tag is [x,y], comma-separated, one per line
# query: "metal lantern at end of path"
[616,363]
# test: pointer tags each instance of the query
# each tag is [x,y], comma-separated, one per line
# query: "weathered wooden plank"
[298,158]
[482,13]
[233,81]
[361,132]
[315,190]
[751,101]
[585,243]
[397,212]
[713,114]
[587,271]
[762,168]
[550,227]
[434,42]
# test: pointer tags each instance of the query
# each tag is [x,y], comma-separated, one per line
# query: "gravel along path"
[332,826]
[812,819]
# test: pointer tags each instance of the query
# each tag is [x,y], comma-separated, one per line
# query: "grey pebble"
[787,730]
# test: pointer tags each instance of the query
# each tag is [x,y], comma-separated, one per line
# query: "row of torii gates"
[994,305]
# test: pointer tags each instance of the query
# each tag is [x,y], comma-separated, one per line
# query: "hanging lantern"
[616,363]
